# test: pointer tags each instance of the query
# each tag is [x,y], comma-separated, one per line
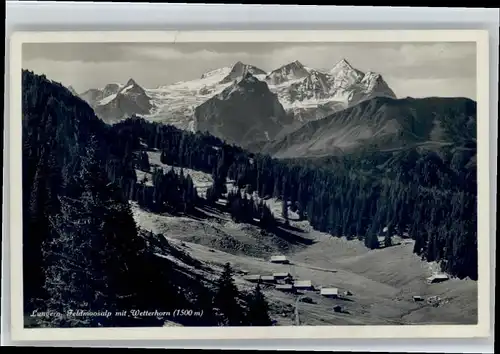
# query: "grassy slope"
[382,281]
[386,123]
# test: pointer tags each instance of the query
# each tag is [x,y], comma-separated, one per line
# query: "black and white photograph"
[249,184]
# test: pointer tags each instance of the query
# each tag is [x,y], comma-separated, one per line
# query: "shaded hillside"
[78,171]
[382,124]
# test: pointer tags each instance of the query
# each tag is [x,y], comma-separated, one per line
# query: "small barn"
[418,298]
[279,259]
[330,292]
[437,278]
[267,279]
[285,288]
[303,285]
[252,278]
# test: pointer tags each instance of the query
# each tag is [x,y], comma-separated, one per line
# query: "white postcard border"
[482,329]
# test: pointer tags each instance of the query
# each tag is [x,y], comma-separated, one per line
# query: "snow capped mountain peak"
[242,67]
[239,70]
[291,71]
[248,84]
[374,85]
[343,75]
[294,65]
[344,64]
[132,88]
[314,86]
[344,69]
[111,89]
[238,64]
[371,76]
[372,79]
[131,82]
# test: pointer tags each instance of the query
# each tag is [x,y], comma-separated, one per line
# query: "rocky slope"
[239,70]
[244,113]
[292,71]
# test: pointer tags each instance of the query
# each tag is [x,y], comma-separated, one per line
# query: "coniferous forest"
[83,250]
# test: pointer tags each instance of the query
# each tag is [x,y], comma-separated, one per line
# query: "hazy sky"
[410,69]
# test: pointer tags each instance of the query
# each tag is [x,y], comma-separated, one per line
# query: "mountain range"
[291,111]
[303,93]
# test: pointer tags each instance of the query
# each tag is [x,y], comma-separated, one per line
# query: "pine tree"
[387,240]
[284,197]
[144,161]
[258,309]
[226,299]
[210,196]
[371,239]
[90,256]
[204,302]
[76,278]
[388,236]
[284,211]
[69,274]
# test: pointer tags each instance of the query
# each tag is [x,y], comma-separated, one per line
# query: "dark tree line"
[170,192]
[142,161]
[431,196]
[93,257]
[246,209]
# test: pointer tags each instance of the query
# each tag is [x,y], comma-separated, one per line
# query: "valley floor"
[382,282]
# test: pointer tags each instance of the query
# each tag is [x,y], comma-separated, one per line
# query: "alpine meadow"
[240,184]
